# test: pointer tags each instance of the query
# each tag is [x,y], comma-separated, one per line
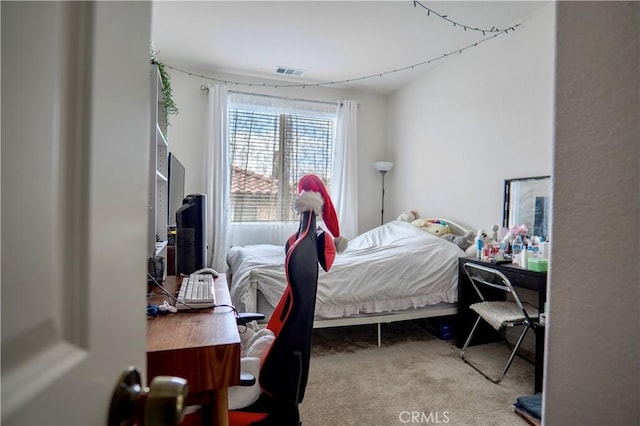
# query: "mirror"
[527,201]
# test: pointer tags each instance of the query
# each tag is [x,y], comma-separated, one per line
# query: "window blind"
[270,152]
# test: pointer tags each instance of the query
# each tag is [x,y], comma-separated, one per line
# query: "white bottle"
[479,246]
[524,256]
[544,249]
[516,247]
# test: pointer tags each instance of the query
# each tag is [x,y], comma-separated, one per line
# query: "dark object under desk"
[520,278]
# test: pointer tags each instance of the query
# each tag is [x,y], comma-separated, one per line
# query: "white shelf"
[160,246]
[159,162]
[160,139]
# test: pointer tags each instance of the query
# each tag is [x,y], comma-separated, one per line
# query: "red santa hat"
[308,186]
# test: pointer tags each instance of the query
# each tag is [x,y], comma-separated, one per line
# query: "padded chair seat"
[497,313]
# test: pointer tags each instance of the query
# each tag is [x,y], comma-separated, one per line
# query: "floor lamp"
[383,167]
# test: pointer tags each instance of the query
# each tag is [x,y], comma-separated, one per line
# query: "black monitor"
[191,234]
[176,189]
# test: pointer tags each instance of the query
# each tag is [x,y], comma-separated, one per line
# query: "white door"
[75,134]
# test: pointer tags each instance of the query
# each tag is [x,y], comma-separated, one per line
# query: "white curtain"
[344,185]
[217,178]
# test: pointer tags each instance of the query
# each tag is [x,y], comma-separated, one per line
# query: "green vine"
[167,90]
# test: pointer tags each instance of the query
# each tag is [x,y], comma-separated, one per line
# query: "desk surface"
[524,278]
[189,329]
[200,346]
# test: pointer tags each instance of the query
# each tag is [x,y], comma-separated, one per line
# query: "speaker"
[191,234]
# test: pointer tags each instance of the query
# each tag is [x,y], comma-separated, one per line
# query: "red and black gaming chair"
[285,368]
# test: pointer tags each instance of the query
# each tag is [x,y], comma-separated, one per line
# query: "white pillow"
[471,251]
[253,353]
[260,343]
[246,336]
[243,396]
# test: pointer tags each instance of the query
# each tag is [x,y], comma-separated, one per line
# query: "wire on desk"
[191,308]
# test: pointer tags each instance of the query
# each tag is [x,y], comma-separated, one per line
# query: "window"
[270,152]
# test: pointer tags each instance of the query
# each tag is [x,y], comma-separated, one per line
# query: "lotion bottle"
[479,243]
[517,245]
[524,259]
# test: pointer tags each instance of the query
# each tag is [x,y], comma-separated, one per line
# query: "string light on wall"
[495,33]
[466,27]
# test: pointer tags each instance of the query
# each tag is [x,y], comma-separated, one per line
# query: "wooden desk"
[520,278]
[200,346]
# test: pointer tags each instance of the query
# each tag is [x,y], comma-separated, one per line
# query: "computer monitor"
[176,189]
[191,234]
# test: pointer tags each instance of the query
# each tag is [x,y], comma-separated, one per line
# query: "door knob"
[160,404]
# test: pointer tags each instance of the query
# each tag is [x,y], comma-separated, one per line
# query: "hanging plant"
[167,92]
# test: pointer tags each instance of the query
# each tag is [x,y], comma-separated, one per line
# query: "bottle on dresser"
[517,249]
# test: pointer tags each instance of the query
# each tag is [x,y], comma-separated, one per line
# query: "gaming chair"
[285,368]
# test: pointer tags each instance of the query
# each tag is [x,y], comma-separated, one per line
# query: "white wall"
[472,121]
[455,133]
[186,133]
[592,372]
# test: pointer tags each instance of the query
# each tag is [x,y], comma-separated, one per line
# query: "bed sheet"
[393,267]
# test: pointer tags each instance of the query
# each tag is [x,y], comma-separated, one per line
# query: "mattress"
[393,267]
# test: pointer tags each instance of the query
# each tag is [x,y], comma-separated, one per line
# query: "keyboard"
[196,292]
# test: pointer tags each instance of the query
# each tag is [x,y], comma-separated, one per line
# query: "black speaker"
[191,234]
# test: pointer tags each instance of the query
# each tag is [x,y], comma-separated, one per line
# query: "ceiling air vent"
[289,71]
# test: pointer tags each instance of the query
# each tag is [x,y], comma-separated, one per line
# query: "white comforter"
[393,267]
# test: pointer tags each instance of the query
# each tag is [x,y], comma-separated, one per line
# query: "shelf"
[160,246]
[160,140]
[159,166]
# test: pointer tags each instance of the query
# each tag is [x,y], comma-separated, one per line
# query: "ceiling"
[332,41]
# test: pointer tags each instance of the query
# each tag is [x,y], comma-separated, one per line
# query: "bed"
[394,272]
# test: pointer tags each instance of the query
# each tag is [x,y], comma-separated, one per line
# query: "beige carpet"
[414,378]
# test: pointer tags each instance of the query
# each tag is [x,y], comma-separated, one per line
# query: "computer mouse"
[207,271]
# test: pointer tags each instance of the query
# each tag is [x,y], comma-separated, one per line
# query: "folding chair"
[498,314]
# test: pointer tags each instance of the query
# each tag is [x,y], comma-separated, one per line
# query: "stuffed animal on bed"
[409,216]
[432,226]
[463,241]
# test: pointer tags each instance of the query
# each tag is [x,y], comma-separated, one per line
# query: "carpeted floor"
[414,378]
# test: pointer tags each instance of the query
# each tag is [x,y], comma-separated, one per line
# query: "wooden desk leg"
[218,411]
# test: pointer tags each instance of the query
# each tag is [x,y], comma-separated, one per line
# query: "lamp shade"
[383,166]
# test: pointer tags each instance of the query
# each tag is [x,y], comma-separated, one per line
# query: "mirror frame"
[507,199]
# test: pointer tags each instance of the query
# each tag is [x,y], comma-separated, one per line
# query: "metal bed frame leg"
[379,335]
